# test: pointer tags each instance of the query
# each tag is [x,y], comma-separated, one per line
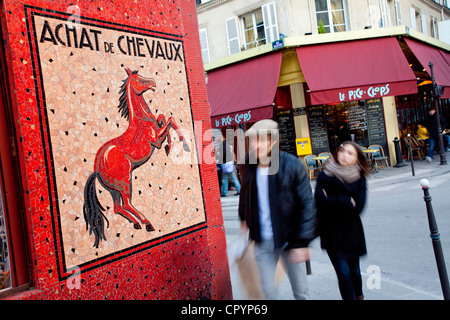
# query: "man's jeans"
[432,144]
[225,182]
[267,258]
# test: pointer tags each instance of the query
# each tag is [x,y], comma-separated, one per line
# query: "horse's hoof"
[137,226]
[149,228]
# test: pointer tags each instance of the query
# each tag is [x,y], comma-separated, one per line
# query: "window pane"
[258,17]
[248,21]
[261,34]
[250,38]
[339,28]
[338,18]
[321,5]
[324,18]
[5,268]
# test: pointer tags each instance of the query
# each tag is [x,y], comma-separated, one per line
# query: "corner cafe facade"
[325,89]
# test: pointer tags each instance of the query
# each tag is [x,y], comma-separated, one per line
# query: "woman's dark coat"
[339,223]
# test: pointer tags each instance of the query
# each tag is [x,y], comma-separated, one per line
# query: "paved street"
[397,235]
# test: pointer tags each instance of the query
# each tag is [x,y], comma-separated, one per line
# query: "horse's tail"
[93,211]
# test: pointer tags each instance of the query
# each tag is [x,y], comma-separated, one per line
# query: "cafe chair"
[418,150]
[378,158]
[311,165]
[324,154]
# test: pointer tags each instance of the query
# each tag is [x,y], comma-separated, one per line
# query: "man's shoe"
[428,159]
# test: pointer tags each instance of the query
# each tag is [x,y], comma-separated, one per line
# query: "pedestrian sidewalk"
[422,169]
[323,282]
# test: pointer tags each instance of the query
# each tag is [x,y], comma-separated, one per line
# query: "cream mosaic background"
[82,95]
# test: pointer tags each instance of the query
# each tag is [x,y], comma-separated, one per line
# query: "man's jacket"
[292,205]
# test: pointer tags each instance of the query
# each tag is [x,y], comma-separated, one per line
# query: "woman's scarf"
[347,174]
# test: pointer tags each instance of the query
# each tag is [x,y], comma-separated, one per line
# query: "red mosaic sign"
[109,107]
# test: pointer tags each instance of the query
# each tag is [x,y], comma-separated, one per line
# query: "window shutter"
[398,12]
[423,22]
[270,22]
[385,13]
[412,14]
[204,45]
[232,36]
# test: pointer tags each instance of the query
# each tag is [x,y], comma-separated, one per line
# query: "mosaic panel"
[117,116]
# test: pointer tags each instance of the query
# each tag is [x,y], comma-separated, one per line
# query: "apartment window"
[253,25]
[204,45]
[331,15]
[258,27]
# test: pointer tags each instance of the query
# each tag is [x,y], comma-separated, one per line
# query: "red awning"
[244,92]
[354,70]
[440,59]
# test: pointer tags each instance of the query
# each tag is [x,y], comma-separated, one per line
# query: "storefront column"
[298,101]
[391,123]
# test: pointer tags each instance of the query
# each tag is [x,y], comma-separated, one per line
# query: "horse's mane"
[123,102]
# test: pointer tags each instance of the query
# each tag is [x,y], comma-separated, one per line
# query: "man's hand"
[299,255]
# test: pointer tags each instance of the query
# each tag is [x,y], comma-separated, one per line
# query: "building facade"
[229,26]
[314,33]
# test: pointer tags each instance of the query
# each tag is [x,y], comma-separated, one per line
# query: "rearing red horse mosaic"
[117,158]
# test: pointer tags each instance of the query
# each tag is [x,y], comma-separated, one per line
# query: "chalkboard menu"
[357,117]
[286,128]
[318,129]
[375,120]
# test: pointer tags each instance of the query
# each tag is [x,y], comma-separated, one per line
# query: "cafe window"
[347,121]
[5,266]
[359,121]
[331,16]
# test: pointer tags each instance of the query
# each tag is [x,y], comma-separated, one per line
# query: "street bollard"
[435,238]
[411,155]
[398,154]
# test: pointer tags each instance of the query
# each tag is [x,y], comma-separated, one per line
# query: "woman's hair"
[362,159]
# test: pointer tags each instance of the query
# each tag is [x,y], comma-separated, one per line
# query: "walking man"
[277,206]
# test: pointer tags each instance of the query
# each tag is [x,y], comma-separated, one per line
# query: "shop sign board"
[246,116]
[362,92]
[370,92]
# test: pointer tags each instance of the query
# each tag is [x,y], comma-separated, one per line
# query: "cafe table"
[369,152]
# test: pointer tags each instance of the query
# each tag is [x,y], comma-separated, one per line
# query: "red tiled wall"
[185,264]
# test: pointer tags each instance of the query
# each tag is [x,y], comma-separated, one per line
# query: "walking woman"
[340,198]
